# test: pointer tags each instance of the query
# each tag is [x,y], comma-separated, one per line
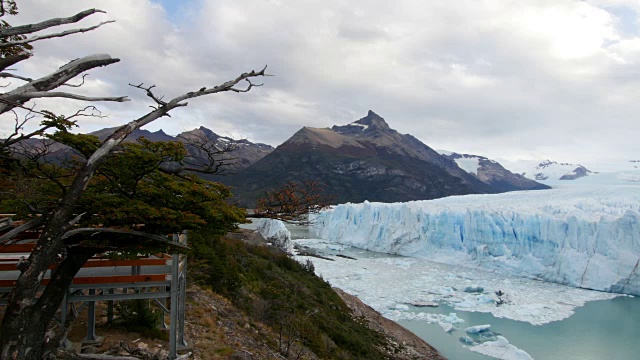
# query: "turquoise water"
[599,330]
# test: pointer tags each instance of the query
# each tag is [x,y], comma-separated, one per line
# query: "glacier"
[275,232]
[582,236]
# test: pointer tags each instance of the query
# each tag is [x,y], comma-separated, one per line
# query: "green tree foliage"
[130,191]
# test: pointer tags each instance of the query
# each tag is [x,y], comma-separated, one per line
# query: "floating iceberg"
[584,236]
[477,329]
[467,340]
[501,349]
[447,327]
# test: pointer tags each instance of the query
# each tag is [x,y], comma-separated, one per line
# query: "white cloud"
[548,77]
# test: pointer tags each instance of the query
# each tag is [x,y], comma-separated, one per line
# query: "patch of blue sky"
[629,19]
[177,10]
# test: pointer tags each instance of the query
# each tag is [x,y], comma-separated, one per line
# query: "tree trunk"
[24,326]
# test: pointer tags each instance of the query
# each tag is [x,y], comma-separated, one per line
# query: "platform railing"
[158,277]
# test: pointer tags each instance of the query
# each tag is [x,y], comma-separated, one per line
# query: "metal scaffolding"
[159,277]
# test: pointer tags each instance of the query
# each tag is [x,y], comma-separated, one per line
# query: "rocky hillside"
[363,160]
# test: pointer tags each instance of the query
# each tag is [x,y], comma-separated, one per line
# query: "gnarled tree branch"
[58,94]
[12,60]
[10,75]
[31,28]
[227,86]
[59,77]
[50,36]
[119,135]
[29,225]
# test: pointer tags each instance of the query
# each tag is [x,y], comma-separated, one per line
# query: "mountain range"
[368,160]
[363,160]
[237,154]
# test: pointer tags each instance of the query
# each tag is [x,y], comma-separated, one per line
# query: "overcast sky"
[534,79]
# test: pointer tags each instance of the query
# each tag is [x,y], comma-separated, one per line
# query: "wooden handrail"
[101,280]
[9,264]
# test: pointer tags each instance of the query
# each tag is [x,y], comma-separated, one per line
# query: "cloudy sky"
[530,79]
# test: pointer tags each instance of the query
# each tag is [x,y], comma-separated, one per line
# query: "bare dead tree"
[27,310]
[206,156]
[293,202]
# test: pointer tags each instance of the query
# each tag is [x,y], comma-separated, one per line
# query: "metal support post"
[175,263]
[91,319]
[64,342]
[110,308]
[163,313]
[183,295]
[181,310]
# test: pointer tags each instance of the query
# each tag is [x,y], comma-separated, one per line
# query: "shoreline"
[413,347]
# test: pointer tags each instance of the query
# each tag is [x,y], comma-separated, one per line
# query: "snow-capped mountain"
[547,169]
[491,172]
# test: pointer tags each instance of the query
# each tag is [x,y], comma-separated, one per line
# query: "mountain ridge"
[363,160]
[492,172]
[541,170]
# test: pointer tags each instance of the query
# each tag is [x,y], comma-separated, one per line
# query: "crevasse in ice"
[583,236]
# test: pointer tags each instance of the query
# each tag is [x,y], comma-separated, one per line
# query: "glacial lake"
[603,329]
[606,329]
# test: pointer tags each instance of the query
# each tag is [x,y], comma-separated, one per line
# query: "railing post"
[163,317]
[64,309]
[91,319]
[183,296]
[175,263]
[110,308]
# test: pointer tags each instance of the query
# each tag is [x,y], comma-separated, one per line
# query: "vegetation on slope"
[273,289]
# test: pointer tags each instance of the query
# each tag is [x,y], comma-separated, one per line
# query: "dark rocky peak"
[374,120]
[545,164]
[548,163]
[199,133]
[208,133]
[153,136]
[455,155]
[368,124]
[577,173]
[321,136]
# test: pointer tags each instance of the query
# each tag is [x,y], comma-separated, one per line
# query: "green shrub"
[139,316]
[275,289]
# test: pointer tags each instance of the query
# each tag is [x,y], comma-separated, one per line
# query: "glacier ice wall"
[275,232]
[584,237]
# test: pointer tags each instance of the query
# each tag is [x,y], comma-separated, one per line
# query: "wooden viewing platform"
[158,277]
